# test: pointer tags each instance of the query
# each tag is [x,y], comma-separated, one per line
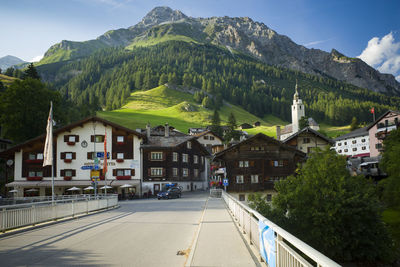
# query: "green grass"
[334,131]
[7,79]
[392,218]
[162,104]
[267,130]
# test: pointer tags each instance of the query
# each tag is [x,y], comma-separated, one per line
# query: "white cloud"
[383,54]
[36,59]
[317,42]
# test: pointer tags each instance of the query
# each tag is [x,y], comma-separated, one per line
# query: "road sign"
[89,167]
[96,160]
[101,155]
[96,167]
[225,182]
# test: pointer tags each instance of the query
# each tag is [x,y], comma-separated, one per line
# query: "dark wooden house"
[173,158]
[257,163]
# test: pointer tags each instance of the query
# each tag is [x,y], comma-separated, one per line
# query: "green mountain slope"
[162,104]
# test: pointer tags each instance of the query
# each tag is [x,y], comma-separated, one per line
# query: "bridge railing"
[285,243]
[20,215]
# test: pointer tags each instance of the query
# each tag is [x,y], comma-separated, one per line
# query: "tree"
[390,164]
[163,79]
[216,123]
[207,102]
[2,87]
[303,123]
[232,133]
[334,212]
[354,124]
[24,108]
[31,72]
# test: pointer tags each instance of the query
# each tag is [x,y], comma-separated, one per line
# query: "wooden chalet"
[308,139]
[255,164]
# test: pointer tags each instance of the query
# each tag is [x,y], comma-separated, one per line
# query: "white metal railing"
[15,216]
[216,193]
[248,220]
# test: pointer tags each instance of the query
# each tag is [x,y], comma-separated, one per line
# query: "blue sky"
[354,27]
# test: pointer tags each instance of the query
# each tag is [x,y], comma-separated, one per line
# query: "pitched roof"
[69,127]
[208,132]
[265,137]
[382,116]
[358,132]
[308,130]
[171,141]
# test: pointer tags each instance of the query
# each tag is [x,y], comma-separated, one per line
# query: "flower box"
[124,177]
[71,143]
[120,143]
[34,161]
[34,178]
[67,160]
[67,178]
[102,177]
[120,160]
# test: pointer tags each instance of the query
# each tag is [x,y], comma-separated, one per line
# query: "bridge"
[196,230]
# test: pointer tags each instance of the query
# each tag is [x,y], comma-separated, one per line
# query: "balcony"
[67,178]
[34,178]
[33,161]
[124,177]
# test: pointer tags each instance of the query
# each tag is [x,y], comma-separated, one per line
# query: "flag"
[372,110]
[105,153]
[48,145]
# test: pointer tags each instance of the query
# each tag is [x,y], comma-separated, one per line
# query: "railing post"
[278,240]
[3,220]
[73,208]
[87,205]
[33,213]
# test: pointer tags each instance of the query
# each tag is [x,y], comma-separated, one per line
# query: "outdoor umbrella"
[13,191]
[89,188]
[73,189]
[105,187]
[126,186]
[32,190]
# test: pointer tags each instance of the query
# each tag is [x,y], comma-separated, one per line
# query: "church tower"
[297,111]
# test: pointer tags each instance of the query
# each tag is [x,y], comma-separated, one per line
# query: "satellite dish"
[10,162]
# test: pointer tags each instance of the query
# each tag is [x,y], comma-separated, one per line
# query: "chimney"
[148,128]
[278,132]
[166,130]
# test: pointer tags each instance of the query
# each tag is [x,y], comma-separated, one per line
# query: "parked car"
[170,193]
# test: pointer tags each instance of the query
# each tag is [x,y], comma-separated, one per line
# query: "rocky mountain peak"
[162,14]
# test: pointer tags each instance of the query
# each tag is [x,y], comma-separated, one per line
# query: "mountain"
[239,35]
[9,61]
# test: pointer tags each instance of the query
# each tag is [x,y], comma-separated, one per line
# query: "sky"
[368,29]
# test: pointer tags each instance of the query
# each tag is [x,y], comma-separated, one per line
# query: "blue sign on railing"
[225,182]
[101,155]
[267,243]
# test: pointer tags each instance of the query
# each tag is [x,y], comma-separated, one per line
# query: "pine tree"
[31,72]
[216,123]
[354,124]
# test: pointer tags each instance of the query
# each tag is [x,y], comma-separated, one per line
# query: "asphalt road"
[139,233]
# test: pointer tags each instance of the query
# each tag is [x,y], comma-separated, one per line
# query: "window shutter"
[149,172]
[62,156]
[132,172]
[92,138]
[77,138]
[252,163]
[271,163]
[163,171]
[114,172]
[149,155]
[164,155]
[73,155]
[73,172]
[89,155]
[65,138]
[62,172]
[114,155]
[285,162]
[236,164]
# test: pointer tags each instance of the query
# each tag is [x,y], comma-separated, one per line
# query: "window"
[364,148]
[354,149]
[156,171]
[120,139]
[156,155]
[196,173]
[339,144]
[278,163]
[68,155]
[39,156]
[212,137]
[254,179]
[354,141]
[241,164]
[378,146]
[120,155]
[269,197]
[97,138]
[346,150]
[189,144]
[363,140]
[306,140]
[127,172]
[72,138]
[35,174]
[205,137]
[185,172]
[120,172]
[175,156]
[195,159]
[242,197]
[239,179]
[345,143]
[174,171]
[246,163]
[339,151]
[32,156]
[202,160]
[185,158]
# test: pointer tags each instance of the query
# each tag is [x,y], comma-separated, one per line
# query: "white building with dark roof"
[355,143]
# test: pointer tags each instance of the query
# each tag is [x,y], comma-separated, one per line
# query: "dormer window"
[195,159]
[189,145]
[120,140]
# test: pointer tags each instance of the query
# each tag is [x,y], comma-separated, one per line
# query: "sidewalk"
[219,243]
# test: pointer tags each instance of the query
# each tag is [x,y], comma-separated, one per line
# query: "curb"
[49,223]
[193,246]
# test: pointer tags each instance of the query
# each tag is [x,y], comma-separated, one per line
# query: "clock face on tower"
[84,144]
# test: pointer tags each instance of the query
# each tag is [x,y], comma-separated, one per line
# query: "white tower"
[297,111]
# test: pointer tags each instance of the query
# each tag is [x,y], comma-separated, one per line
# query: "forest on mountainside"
[107,78]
